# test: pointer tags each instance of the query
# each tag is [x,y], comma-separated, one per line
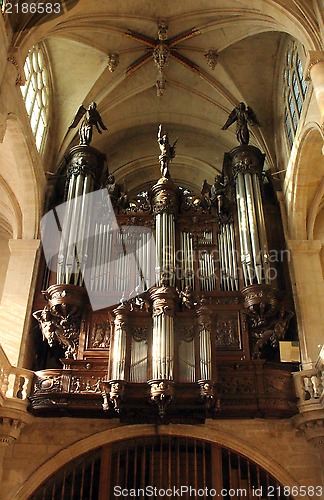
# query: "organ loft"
[165,305]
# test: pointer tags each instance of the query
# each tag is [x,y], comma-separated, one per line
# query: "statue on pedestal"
[91,118]
[167,152]
[243,116]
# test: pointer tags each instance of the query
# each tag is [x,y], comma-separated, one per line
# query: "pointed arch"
[23,174]
[305,175]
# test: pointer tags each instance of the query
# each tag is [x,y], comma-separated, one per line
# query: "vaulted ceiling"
[243,40]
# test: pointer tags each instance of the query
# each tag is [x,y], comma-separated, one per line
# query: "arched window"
[295,89]
[36,93]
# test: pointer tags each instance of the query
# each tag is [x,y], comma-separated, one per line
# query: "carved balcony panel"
[244,389]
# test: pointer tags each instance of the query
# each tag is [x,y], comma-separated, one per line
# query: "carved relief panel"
[227,332]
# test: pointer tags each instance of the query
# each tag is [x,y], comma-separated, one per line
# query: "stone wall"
[46,445]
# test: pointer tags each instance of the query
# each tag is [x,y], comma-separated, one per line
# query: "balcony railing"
[309,385]
[15,384]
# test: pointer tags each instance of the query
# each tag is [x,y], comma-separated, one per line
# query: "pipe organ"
[166,306]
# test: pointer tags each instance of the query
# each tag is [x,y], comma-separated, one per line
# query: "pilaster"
[309,295]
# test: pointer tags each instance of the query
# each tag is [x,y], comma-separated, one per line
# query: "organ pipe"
[118,349]
[247,164]
[164,207]
[84,169]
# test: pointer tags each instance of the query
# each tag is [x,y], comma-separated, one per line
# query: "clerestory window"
[295,89]
[35,93]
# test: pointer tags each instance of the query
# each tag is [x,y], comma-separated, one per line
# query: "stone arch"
[22,172]
[10,227]
[305,178]
[116,434]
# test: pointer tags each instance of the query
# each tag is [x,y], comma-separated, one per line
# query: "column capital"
[21,245]
[305,246]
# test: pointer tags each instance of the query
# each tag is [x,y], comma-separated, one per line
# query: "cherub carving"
[243,116]
[91,118]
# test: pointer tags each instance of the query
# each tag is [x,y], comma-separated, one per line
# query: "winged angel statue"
[91,118]
[243,116]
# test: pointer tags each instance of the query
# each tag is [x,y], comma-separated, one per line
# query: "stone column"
[309,297]
[17,297]
[315,72]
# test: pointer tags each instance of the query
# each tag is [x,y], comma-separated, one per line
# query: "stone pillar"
[309,297]
[17,298]
[315,72]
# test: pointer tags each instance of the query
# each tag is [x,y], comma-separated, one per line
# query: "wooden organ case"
[165,307]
